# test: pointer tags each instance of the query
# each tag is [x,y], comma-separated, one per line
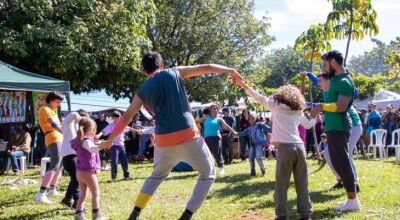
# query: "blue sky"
[289,18]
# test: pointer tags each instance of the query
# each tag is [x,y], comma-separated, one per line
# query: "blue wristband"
[313,78]
[54,125]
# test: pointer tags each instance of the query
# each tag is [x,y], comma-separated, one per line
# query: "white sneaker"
[349,205]
[42,198]
[221,171]
[53,193]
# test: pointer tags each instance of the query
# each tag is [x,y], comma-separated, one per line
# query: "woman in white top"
[69,128]
[287,106]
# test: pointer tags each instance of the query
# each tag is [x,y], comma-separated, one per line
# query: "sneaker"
[128,178]
[113,180]
[104,168]
[53,193]
[42,198]
[79,217]
[134,215]
[98,216]
[221,171]
[338,185]
[262,172]
[253,173]
[349,205]
[67,203]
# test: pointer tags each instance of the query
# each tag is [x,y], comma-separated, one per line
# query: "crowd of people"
[81,145]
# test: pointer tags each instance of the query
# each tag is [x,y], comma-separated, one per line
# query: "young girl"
[287,113]
[88,161]
[256,132]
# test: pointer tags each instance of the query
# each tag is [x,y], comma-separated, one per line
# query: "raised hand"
[105,145]
[303,74]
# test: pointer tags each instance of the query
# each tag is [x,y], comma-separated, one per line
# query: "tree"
[367,86]
[93,44]
[313,43]
[351,19]
[281,65]
[373,61]
[195,32]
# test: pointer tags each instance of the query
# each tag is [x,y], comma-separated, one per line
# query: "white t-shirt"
[69,127]
[284,120]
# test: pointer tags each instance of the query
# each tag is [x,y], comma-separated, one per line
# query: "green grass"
[233,196]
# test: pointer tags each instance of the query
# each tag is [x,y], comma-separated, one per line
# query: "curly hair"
[290,95]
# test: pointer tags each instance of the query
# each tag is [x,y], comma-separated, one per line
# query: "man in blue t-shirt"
[176,135]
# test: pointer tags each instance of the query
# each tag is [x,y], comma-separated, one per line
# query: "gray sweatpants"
[195,153]
[53,151]
[291,158]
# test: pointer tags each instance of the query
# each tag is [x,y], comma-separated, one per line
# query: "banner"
[39,99]
[12,107]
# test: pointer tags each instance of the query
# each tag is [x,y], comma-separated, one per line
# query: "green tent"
[12,78]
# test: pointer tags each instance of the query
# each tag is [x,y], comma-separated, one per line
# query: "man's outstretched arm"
[202,69]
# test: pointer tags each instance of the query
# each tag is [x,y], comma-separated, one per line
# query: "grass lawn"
[233,196]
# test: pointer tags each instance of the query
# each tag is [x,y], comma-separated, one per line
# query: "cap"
[226,109]
[116,114]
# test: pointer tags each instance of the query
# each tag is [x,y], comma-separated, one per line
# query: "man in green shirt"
[337,101]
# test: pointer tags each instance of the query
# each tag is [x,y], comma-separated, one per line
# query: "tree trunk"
[316,150]
[349,36]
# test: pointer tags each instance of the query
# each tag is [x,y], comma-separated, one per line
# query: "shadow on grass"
[327,213]
[17,200]
[241,188]
[47,214]
[321,165]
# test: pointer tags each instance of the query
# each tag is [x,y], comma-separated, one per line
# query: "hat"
[226,109]
[116,114]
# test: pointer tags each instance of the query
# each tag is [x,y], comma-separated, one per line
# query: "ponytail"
[80,134]
[84,125]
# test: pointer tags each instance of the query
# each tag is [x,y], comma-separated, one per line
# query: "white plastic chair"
[394,145]
[43,164]
[379,142]
[22,163]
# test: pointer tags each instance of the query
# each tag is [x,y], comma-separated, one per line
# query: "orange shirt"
[51,134]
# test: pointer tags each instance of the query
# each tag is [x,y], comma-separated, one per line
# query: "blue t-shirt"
[165,95]
[211,126]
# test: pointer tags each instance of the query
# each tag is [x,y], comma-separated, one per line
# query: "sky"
[289,18]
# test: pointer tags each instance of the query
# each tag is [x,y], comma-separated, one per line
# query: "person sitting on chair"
[18,146]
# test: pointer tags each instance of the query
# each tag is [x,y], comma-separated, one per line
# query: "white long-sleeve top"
[90,146]
[284,120]
[69,127]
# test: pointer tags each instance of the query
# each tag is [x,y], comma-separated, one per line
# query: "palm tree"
[313,43]
[351,19]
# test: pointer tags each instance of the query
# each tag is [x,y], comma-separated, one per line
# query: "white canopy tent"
[381,100]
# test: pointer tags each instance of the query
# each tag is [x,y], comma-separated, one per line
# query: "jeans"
[118,152]
[244,141]
[142,144]
[255,154]
[14,156]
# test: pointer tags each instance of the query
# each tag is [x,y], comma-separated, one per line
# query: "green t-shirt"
[341,85]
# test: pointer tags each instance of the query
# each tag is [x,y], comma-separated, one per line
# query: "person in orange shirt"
[51,127]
